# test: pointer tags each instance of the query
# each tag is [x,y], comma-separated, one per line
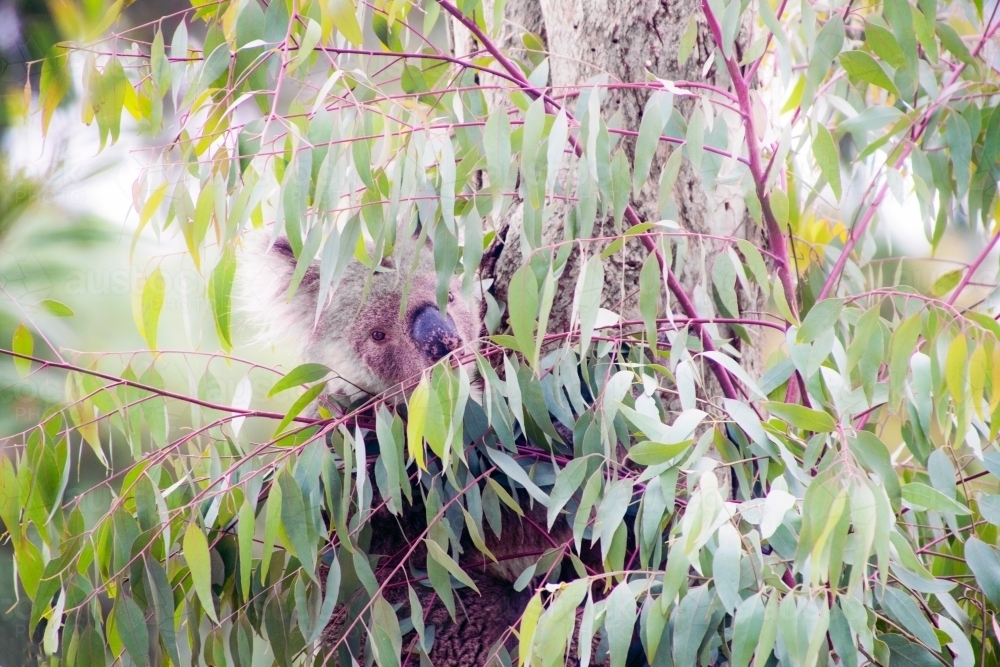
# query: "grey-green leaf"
[690,625]
[303,374]
[984,560]
[747,625]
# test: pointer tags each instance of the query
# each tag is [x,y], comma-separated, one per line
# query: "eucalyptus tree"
[701,350]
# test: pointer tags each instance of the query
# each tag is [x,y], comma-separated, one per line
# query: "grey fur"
[341,337]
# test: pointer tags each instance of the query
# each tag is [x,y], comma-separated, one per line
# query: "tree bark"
[629,40]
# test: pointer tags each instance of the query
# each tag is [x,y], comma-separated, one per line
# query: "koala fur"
[483,620]
[361,336]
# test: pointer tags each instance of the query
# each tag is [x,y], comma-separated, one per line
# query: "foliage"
[842,503]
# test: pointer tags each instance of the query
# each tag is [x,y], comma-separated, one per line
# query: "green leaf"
[53,86]
[822,317]
[557,145]
[568,481]
[885,46]
[694,139]
[690,625]
[654,453]
[769,630]
[726,568]
[827,157]
[650,286]
[531,142]
[443,559]
[668,177]
[307,42]
[244,537]
[874,456]
[735,369]
[510,468]
[778,200]
[153,291]
[56,308]
[646,144]
[951,40]
[621,186]
[755,262]
[901,348]
[300,404]
[958,138]
[829,41]
[902,609]
[946,283]
[220,289]
[417,418]
[956,368]
[272,521]
[989,508]
[801,417]
[961,647]
[302,374]
[496,143]
[619,622]
[529,623]
[387,640]
[900,17]
[611,511]
[860,65]
[163,606]
[926,497]
[22,343]
[200,565]
[296,523]
[747,626]
[724,283]
[587,300]
[345,19]
[688,40]
[131,627]
[112,98]
[523,307]
[984,560]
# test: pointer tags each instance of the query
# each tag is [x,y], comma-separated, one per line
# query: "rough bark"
[627,40]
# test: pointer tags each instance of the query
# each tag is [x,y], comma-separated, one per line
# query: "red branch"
[156,390]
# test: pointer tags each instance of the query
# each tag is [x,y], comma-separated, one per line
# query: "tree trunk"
[630,41]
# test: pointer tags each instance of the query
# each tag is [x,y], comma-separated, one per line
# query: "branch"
[915,136]
[156,390]
[973,267]
[775,236]
[725,381]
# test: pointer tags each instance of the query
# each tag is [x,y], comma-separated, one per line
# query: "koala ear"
[264,278]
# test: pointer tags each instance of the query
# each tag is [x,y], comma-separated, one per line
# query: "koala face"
[397,348]
[361,333]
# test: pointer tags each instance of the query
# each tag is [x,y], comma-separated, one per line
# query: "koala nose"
[435,334]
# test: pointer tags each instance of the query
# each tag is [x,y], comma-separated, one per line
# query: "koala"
[372,342]
[376,342]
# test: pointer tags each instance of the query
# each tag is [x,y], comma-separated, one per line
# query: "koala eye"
[451,297]
[378,335]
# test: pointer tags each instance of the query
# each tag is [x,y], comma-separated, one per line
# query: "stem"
[973,267]
[156,390]
[852,240]
[775,237]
